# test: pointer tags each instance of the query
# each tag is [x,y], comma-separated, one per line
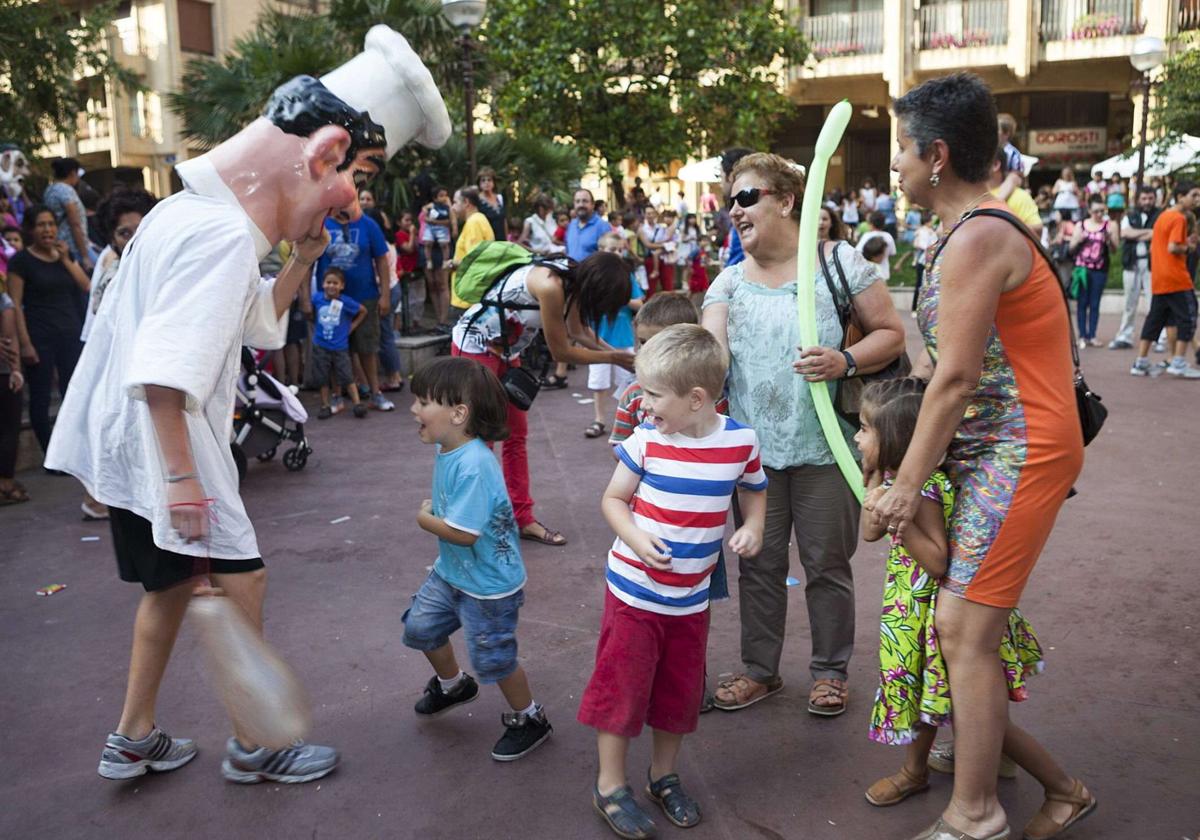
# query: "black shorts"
[326,361]
[1173,309]
[139,560]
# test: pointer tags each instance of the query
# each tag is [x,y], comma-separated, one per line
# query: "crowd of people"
[701,392]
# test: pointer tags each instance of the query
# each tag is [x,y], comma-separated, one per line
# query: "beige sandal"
[825,690]
[1043,827]
[894,789]
[741,691]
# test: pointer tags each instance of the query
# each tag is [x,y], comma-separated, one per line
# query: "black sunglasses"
[748,197]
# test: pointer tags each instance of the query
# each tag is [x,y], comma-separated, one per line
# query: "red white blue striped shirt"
[683,499]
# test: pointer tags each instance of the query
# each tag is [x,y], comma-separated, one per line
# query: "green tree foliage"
[649,81]
[217,99]
[1177,110]
[44,49]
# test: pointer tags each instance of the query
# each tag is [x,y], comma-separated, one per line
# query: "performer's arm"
[298,269]
[185,493]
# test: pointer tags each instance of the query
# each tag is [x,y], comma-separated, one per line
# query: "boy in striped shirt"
[668,503]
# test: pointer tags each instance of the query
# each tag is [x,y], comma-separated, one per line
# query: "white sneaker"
[1183,371]
[1160,347]
[1140,368]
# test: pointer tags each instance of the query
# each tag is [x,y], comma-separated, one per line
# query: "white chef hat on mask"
[390,83]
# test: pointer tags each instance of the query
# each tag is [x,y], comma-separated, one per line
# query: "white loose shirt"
[885,267]
[186,297]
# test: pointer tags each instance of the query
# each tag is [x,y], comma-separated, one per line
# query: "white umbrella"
[702,172]
[1161,159]
[708,171]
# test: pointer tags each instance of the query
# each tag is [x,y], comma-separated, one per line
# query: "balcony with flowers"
[956,33]
[1082,29]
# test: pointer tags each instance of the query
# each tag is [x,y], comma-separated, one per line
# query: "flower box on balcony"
[971,38]
[1104,26]
[823,51]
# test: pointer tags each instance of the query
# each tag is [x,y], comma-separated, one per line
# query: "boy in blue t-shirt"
[477,582]
[617,333]
[336,317]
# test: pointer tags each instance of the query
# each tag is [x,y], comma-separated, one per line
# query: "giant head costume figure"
[14,168]
[318,139]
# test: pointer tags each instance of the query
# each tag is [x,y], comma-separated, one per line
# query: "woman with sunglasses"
[751,308]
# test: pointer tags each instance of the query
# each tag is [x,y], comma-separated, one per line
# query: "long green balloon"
[814,189]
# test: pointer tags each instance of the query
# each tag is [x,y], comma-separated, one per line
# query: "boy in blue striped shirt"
[668,503]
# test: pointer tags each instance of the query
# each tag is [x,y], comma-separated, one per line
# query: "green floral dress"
[913,687]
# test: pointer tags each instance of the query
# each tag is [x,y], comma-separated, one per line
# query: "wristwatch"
[851,365]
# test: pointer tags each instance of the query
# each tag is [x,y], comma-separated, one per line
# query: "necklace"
[973,204]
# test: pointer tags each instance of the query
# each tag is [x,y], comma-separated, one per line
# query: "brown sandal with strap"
[1043,827]
[823,691]
[547,537]
[741,691]
[894,789]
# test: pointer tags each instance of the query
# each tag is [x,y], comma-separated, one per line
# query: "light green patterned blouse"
[765,393]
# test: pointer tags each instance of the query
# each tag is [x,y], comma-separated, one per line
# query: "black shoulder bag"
[1092,412]
[847,400]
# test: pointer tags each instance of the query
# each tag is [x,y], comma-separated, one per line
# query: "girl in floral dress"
[913,698]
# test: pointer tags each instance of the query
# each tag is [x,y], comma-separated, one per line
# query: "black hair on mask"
[303,105]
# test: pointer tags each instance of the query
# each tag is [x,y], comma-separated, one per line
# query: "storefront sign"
[1068,141]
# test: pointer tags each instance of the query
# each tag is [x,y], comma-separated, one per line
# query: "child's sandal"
[668,792]
[894,789]
[623,815]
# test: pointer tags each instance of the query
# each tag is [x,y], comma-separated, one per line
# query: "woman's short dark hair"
[891,407]
[119,202]
[486,172]
[29,220]
[599,286]
[1096,198]
[455,380]
[543,202]
[63,167]
[959,110]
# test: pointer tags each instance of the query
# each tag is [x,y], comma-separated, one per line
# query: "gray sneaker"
[300,762]
[1183,371]
[382,403]
[1119,344]
[941,759]
[123,758]
[1140,368]
[1160,347]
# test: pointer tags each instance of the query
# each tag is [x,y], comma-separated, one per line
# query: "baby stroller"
[266,413]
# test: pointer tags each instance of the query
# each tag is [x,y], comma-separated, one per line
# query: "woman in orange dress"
[1000,405]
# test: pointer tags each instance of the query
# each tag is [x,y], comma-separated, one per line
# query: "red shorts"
[649,670]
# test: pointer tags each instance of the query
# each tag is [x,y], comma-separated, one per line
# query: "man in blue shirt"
[359,249]
[583,234]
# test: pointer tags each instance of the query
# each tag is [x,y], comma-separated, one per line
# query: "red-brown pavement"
[1113,599]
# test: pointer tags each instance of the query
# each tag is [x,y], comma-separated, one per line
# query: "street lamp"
[465,15]
[1148,54]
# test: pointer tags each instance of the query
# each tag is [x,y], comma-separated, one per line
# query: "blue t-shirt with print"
[618,332]
[333,321]
[353,248]
[470,495]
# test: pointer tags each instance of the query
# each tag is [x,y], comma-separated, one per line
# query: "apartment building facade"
[134,138]
[1061,67]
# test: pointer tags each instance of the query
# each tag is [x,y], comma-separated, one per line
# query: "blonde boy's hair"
[683,357]
[611,238]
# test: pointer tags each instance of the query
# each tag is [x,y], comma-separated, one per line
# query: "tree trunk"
[618,184]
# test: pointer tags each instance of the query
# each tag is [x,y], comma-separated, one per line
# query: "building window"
[196,27]
[1052,110]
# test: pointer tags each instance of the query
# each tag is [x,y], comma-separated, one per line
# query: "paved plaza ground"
[1113,599]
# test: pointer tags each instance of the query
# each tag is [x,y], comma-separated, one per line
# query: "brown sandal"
[741,691]
[1042,827]
[894,789]
[548,537]
[823,691]
[13,496]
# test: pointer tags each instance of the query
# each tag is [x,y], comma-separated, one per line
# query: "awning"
[1161,159]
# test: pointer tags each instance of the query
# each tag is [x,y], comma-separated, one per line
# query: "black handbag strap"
[843,305]
[1020,226]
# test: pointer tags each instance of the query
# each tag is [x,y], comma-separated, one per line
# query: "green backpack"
[487,264]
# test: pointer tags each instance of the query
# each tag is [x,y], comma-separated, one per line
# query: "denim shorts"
[489,626]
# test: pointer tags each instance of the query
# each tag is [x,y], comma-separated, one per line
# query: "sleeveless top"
[1093,252]
[482,334]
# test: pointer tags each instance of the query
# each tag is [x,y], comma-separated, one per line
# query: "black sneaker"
[523,734]
[435,701]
